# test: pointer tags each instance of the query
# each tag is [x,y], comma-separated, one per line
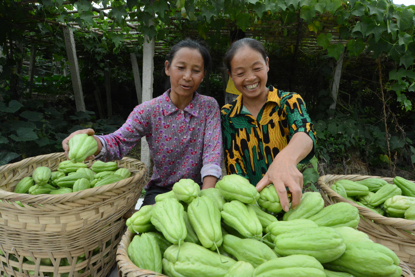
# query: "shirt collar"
[271,98]
[169,107]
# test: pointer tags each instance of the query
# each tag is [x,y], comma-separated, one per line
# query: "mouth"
[185,87]
[252,86]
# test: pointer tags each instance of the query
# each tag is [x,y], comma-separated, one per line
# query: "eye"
[258,68]
[180,67]
[196,71]
[239,74]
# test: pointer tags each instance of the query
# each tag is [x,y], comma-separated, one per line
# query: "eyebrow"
[252,65]
[183,62]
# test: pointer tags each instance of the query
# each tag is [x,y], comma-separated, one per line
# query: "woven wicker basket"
[126,268]
[78,232]
[394,233]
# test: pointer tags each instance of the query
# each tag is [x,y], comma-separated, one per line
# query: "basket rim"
[399,223]
[67,197]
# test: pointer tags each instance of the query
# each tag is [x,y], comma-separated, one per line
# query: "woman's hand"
[89,132]
[283,170]
[283,173]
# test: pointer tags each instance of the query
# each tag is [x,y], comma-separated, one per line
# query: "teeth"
[252,86]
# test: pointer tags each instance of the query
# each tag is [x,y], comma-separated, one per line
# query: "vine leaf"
[243,21]
[24,134]
[335,50]
[405,39]
[323,40]
[307,13]
[407,60]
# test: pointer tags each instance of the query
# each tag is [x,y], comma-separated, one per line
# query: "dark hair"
[188,43]
[250,42]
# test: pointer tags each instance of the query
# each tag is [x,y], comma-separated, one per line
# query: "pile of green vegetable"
[232,230]
[73,175]
[391,200]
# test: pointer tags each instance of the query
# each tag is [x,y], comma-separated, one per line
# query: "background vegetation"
[371,130]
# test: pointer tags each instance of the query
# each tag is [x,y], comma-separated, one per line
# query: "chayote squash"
[162,196]
[68,166]
[191,234]
[282,227]
[373,184]
[38,189]
[337,215]
[123,172]
[410,213]
[61,191]
[235,187]
[311,203]
[140,221]
[214,195]
[81,146]
[269,199]
[353,188]
[161,241]
[397,205]
[407,187]
[205,219]
[81,184]
[108,180]
[195,260]
[364,199]
[56,175]
[323,243]
[24,185]
[330,273]
[385,192]
[167,216]
[339,189]
[145,253]
[69,181]
[240,269]
[248,250]
[88,172]
[264,217]
[103,174]
[242,218]
[294,265]
[99,166]
[186,190]
[41,175]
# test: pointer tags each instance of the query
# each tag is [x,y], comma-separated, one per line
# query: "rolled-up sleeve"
[299,120]
[212,149]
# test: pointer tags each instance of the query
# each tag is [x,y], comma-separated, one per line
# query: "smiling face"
[249,72]
[186,72]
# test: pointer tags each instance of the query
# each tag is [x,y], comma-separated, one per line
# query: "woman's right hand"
[89,132]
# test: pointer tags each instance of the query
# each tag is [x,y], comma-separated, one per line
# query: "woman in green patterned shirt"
[266,131]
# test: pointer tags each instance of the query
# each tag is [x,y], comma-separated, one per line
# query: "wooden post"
[136,73]
[148,69]
[336,81]
[75,76]
[32,69]
[107,76]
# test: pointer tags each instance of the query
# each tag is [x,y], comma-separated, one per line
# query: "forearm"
[297,149]
[209,182]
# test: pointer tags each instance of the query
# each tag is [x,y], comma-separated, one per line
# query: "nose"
[250,76]
[187,75]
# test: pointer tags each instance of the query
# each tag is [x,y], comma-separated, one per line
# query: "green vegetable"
[123,172]
[410,213]
[88,172]
[397,205]
[282,227]
[140,221]
[108,180]
[248,250]
[264,217]
[240,269]
[61,191]
[186,190]
[373,184]
[407,187]
[81,146]
[269,199]
[68,166]
[205,218]
[167,216]
[195,260]
[191,234]
[242,218]
[311,203]
[41,175]
[385,192]
[69,181]
[235,187]
[163,196]
[38,189]
[323,243]
[56,175]
[145,253]
[24,185]
[337,215]
[161,241]
[339,189]
[353,188]
[330,273]
[103,174]
[214,195]
[81,184]
[294,265]
[99,166]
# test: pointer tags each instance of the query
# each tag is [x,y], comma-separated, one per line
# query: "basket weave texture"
[394,233]
[81,229]
[126,268]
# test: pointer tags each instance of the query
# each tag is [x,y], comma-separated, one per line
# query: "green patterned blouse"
[250,145]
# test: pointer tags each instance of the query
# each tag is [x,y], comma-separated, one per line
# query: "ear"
[204,74]
[167,68]
[267,64]
[230,76]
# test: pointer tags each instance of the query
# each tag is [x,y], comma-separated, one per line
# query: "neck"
[181,102]
[255,104]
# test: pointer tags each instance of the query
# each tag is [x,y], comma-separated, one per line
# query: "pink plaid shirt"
[183,143]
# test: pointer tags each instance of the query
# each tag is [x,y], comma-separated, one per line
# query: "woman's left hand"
[283,173]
